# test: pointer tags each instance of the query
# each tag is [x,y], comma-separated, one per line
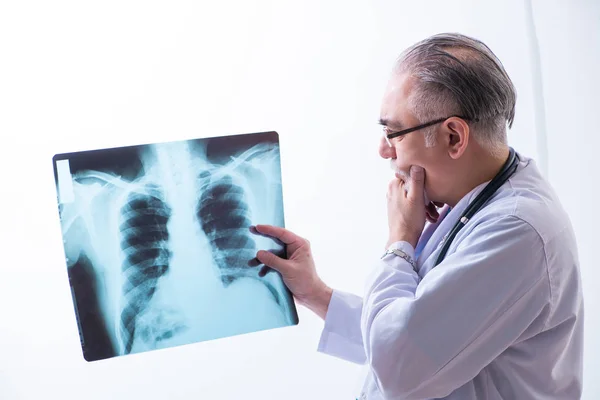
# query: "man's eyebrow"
[387,122]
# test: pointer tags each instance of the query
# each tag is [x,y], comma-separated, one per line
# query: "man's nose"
[385,151]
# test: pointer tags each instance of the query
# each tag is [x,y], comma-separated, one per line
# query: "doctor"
[487,308]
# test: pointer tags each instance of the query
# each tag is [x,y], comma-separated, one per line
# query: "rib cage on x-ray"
[145,244]
[230,238]
[159,228]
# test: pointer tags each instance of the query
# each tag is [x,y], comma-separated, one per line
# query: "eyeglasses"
[425,125]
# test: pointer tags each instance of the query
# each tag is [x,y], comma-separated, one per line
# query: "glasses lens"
[388,142]
[386,138]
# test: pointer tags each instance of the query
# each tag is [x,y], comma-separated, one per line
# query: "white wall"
[569,38]
[79,75]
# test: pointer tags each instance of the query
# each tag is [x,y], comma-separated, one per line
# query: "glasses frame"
[416,128]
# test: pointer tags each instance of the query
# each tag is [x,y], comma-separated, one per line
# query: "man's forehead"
[400,85]
[395,101]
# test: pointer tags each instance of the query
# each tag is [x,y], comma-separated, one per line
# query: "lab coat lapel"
[428,232]
[428,256]
[430,237]
[425,262]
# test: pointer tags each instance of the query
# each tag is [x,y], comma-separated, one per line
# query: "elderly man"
[478,294]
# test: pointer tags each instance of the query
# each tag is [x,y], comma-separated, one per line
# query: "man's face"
[409,149]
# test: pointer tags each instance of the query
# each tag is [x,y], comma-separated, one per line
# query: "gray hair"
[459,75]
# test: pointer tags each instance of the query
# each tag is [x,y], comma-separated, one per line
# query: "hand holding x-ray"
[298,270]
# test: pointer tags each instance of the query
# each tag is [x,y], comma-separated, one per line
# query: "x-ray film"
[158,242]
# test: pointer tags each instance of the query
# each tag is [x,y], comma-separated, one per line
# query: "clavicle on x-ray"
[158,243]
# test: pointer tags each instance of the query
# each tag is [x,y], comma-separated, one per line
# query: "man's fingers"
[271,260]
[264,271]
[432,210]
[395,184]
[417,182]
[431,213]
[392,185]
[277,232]
[417,175]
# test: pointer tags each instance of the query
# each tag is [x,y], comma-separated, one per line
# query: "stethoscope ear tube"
[508,169]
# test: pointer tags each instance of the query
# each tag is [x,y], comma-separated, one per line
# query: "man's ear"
[456,134]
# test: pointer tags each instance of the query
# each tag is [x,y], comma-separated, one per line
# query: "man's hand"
[407,209]
[298,271]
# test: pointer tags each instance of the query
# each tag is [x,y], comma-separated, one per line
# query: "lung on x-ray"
[158,242]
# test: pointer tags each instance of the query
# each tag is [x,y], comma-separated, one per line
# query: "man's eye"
[387,130]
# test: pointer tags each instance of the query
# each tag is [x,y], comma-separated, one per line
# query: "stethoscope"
[508,169]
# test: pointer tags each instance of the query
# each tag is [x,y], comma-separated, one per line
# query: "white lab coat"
[500,318]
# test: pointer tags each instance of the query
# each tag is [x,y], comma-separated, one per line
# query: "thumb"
[273,261]
[417,177]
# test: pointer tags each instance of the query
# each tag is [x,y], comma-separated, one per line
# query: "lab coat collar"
[433,234]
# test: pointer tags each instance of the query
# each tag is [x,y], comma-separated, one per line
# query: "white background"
[78,75]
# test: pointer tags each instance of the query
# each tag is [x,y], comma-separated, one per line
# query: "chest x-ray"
[158,245]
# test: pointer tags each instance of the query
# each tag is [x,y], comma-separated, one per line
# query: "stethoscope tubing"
[508,169]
